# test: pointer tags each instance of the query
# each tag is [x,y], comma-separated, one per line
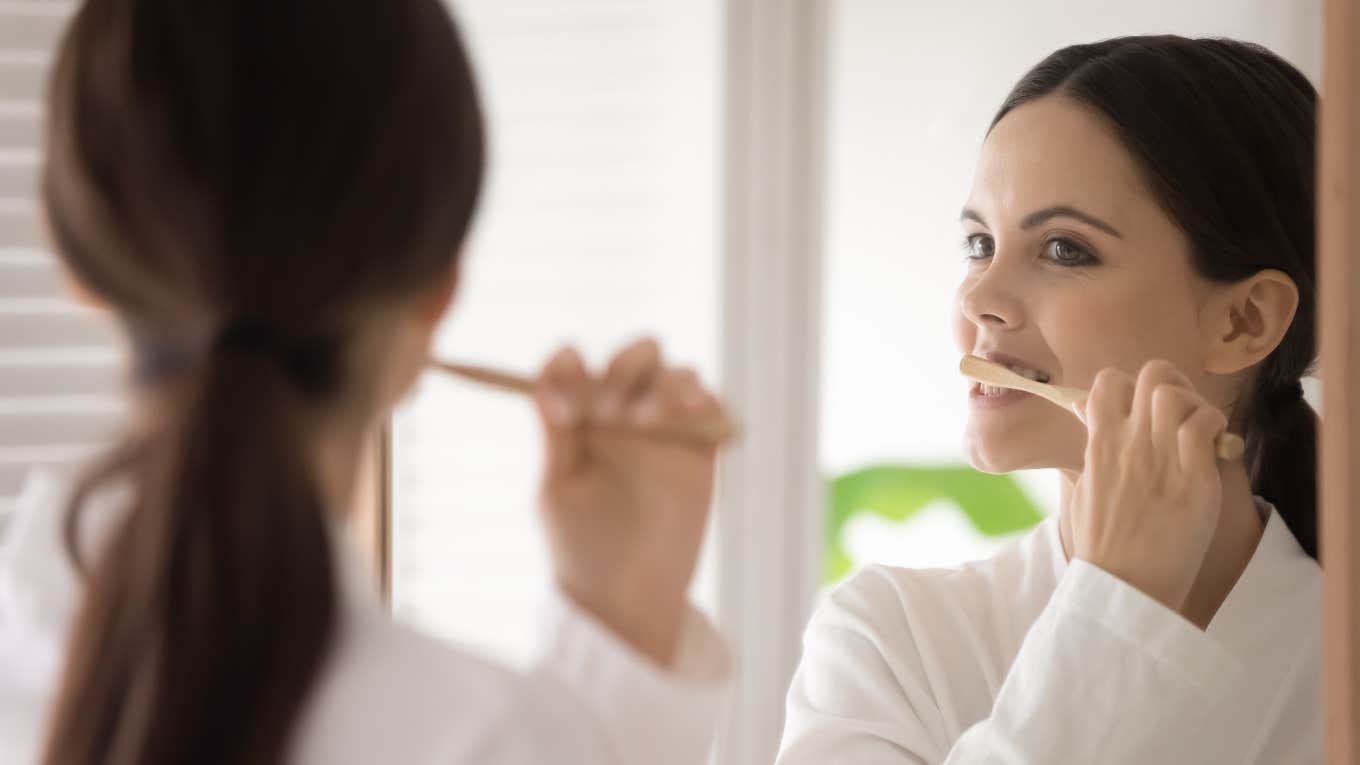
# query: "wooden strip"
[771,512]
[371,521]
[383,494]
[1339,333]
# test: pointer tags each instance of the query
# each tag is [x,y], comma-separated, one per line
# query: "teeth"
[1032,374]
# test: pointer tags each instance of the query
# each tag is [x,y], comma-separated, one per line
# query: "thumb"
[563,394]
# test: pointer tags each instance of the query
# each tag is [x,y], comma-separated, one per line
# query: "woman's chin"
[1035,444]
[989,456]
[990,463]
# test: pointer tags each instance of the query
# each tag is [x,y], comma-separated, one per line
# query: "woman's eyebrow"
[1063,211]
[1040,217]
[971,214]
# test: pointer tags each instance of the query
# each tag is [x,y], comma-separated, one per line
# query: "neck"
[1239,530]
[340,468]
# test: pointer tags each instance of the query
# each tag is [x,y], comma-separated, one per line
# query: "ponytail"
[1282,453]
[210,610]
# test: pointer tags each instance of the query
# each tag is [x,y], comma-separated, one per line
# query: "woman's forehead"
[1055,151]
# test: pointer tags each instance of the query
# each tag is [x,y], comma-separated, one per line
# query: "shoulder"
[388,656]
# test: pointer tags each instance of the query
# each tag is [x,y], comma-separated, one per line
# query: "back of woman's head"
[243,184]
[1224,133]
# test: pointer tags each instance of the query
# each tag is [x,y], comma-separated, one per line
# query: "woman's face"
[1072,267]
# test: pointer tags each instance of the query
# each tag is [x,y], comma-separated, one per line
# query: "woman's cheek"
[1087,334]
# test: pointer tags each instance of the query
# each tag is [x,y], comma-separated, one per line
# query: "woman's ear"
[81,295]
[1246,320]
[432,306]
[75,289]
[409,346]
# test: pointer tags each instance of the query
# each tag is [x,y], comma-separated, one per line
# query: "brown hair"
[243,183]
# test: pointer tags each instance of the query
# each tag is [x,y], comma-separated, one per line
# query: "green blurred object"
[994,504]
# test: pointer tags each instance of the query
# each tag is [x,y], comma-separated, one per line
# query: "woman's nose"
[991,299]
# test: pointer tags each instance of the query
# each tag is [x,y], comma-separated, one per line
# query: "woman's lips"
[987,397]
[1017,365]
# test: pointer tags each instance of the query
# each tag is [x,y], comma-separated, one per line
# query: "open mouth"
[1038,375]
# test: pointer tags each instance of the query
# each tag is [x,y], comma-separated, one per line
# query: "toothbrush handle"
[1229,447]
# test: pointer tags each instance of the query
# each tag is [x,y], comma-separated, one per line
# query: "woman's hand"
[625,512]
[1147,503]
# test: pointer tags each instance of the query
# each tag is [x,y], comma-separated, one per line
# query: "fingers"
[1153,376]
[1149,417]
[1105,413]
[636,389]
[1107,406]
[1171,406]
[1196,441]
[564,391]
[563,388]
[678,394]
[632,372]
[1170,401]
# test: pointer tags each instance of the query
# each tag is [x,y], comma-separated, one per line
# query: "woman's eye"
[979,246]
[1065,252]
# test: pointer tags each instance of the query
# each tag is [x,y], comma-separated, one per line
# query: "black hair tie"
[1287,394]
[246,335]
[312,364]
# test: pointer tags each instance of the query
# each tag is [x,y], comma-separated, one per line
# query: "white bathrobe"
[1026,658]
[389,694]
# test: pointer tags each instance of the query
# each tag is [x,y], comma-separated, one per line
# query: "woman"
[270,198]
[1140,225]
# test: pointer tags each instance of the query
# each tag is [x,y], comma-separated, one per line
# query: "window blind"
[60,370]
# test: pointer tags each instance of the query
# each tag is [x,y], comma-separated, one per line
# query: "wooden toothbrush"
[1229,446]
[714,431]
